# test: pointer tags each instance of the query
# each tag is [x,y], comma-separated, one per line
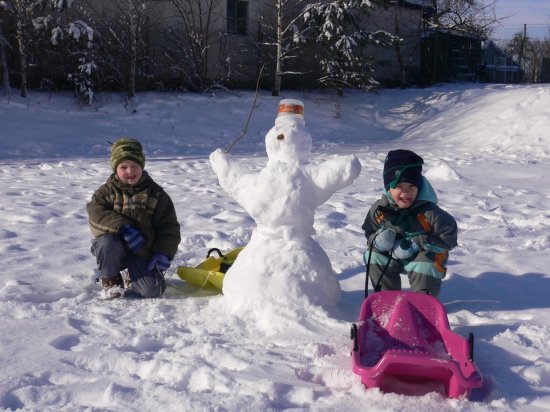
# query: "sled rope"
[377,286]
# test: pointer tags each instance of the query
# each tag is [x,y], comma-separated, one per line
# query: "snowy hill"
[487,154]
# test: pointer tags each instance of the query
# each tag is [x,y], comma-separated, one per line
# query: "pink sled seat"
[406,336]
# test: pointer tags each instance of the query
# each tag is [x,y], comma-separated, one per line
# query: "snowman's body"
[282,262]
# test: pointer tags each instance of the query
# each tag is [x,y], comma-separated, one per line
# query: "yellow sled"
[210,272]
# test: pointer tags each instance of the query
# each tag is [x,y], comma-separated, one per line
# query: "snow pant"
[425,271]
[112,257]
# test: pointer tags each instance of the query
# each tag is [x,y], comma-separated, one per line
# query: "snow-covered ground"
[487,152]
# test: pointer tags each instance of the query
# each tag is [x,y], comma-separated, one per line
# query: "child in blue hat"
[406,231]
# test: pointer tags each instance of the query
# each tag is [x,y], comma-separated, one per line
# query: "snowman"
[282,267]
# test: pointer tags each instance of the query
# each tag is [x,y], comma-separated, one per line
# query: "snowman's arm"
[228,171]
[333,175]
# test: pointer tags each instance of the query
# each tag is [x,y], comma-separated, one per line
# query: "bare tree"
[122,28]
[281,33]
[404,29]
[398,51]
[4,62]
[190,41]
[22,12]
[532,52]
[472,16]
[281,30]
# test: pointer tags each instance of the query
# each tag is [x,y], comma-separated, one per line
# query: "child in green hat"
[134,224]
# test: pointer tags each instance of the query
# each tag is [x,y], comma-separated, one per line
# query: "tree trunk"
[22,57]
[133,51]
[400,60]
[4,62]
[278,66]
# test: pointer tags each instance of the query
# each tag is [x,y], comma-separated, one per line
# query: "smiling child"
[406,231]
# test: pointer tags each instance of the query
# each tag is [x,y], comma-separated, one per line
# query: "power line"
[528,25]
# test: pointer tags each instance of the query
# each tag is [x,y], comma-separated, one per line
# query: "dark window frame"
[237,17]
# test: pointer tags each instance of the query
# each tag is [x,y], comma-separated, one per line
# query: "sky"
[516,13]
[486,151]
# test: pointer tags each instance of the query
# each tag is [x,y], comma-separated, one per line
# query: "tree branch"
[245,129]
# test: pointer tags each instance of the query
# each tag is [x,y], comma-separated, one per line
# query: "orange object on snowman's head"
[290,110]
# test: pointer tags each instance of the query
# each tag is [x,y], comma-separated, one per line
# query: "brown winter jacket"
[146,206]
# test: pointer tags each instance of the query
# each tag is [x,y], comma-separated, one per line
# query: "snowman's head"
[288,142]
[290,110]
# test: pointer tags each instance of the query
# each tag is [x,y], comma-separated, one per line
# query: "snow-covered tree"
[73,41]
[36,20]
[338,28]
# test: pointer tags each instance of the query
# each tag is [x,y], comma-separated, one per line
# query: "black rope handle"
[214,249]
[377,286]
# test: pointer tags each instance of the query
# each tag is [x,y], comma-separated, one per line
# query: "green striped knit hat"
[127,149]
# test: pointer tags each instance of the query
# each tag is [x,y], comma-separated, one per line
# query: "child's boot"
[113,287]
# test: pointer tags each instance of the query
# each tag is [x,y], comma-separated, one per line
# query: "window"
[237,16]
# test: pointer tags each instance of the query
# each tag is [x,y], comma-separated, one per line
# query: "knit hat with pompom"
[402,166]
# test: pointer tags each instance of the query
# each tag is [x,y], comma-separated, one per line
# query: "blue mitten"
[159,261]
[132,237]
[404,249]
[384,239]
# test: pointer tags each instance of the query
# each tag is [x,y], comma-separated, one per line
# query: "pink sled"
[403,339]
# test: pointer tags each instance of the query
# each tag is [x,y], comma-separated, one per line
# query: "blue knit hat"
[402,166]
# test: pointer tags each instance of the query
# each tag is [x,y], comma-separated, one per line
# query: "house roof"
[433,31]
[424,5]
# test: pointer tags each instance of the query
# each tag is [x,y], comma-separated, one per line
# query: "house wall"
[409,21]
[386,65]
[240,56]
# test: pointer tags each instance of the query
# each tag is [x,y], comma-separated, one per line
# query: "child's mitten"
[132,237]
[404,249]
[159,261]
[384,239]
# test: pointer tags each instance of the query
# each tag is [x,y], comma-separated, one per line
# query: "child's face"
[129,172]
[404,195]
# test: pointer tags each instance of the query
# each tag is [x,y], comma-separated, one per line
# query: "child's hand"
[384,239]
[159,261]
[132,237]
[404,249]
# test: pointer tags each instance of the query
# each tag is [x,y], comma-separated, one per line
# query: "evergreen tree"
[73,43]
[337,27]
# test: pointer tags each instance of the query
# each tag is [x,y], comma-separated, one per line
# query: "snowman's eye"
[281,137]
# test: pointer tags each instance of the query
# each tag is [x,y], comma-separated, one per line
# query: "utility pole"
[522,47]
